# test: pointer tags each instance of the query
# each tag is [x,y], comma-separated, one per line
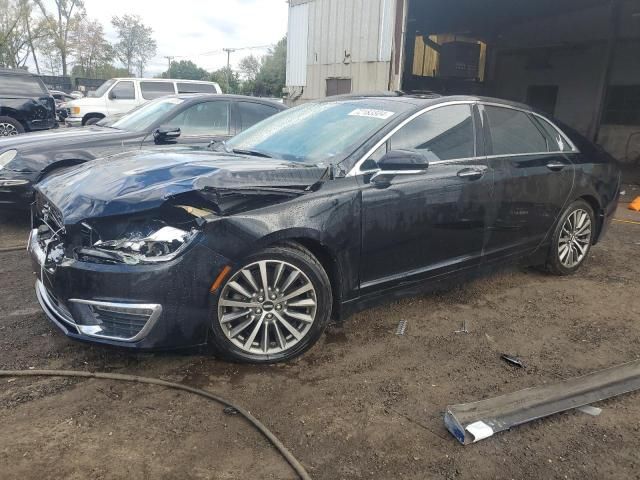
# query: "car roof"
[221,96]
[162,80]
[15,71]
[425,99]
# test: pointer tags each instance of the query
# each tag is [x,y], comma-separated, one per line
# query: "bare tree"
[60,25]
[136,45]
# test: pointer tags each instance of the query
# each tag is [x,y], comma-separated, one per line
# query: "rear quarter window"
[22,86]
[196,88]
[151,90]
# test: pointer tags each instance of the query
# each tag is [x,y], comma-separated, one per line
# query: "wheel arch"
[87,116]
[311,241]
[71,162]
[594,203]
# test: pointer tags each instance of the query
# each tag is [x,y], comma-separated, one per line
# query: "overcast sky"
[189,29]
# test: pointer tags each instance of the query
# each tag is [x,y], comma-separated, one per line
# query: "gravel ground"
[363,403]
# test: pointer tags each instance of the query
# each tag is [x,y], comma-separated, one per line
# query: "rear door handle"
[472,173]
[556,166]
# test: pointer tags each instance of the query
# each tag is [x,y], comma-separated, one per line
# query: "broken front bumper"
[147,307]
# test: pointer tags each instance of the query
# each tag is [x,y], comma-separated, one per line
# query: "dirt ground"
[363,403]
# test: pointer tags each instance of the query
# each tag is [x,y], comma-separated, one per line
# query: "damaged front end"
[112,279]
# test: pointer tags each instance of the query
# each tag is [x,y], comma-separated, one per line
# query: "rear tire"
[572,239]
[10,127]
[258,316]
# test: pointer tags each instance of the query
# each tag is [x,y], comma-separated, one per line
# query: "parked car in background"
[119,95]
[61,100]
[314,213]
[25,103]
[190,119]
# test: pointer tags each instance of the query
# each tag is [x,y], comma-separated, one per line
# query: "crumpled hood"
[135,181]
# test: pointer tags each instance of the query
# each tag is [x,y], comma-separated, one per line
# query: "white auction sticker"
[371,113]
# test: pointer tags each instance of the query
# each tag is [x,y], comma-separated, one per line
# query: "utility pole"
[169,59]
[229,52]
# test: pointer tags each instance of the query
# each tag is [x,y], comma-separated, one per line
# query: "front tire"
[572,239]
[10,127]
[273,307]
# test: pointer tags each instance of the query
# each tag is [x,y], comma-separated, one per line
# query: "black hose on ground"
[295,464]
[13,249]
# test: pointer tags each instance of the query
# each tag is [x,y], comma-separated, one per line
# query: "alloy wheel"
[575,238]
[267,307]
[7,129]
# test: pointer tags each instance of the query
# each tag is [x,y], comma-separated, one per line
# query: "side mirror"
[400,162]
[112,95]
[164,133]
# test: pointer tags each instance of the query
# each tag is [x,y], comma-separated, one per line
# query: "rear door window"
[22,86]
[513,132]
[252,113]
[151,90]
[445,133]
[123,91]
[203,119]
[196,88]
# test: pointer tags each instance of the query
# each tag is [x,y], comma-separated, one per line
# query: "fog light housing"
[127,322]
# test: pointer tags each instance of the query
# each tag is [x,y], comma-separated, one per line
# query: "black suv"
[25,103]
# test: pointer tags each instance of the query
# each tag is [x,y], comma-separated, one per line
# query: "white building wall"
[346,39]
[297,41]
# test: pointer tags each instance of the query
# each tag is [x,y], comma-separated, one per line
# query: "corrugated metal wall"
[297,39]
[347,39]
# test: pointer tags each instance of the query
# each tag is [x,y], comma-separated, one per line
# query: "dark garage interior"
[578,60]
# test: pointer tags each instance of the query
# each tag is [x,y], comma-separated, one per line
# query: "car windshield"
[102,88]
[143,117]
[317,133]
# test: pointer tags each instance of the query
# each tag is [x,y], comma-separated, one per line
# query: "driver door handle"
[472,173]
[556,166]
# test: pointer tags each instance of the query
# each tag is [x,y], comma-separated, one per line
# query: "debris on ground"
[511,360]
[401,328]
[471,422]
[635,205]
[590,410]
[463,329]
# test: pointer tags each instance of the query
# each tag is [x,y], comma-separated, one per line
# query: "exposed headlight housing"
[160,246]
[6,157]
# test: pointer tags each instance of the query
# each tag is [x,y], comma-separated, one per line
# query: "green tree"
[59,25]
[92,51]
[186,70]
[270,80]
[228,80]
[249,68]
[136,45]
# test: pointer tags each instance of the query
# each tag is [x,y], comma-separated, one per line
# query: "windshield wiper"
[253,153]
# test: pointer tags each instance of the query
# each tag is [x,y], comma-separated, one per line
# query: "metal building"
[578,60]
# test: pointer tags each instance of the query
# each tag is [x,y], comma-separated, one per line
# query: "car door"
[203,122]
[122,97]
[533,180]
[431,223]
